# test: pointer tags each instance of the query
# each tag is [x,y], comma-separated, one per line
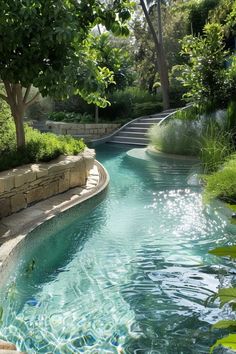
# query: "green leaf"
[229,251]
[224,324]
[227,342]
[227,295]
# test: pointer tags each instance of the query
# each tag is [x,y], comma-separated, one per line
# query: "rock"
[7,345]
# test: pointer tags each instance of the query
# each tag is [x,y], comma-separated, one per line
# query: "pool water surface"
[126,272]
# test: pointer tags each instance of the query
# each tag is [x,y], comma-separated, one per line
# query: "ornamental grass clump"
[176,137]
[222,184]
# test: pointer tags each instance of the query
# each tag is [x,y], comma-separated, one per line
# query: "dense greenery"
[222,183]
[125,104]
[49,45]
[39,147]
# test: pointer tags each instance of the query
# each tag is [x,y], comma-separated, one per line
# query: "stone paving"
[15,227]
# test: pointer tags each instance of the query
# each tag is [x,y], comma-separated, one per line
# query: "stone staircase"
[135,132]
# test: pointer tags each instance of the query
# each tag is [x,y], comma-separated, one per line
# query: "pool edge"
[14,239]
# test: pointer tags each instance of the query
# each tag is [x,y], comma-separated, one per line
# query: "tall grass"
[216,145]
[176,137]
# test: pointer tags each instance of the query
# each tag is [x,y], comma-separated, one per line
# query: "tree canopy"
[45,43]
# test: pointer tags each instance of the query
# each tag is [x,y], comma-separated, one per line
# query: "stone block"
[35,194]
[77,177]
[9,183]
[55,167]
[39,170]
[42,192]
[64,182]
[18,202]
[5,207]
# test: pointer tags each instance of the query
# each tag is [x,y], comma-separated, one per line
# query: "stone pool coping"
[14,228]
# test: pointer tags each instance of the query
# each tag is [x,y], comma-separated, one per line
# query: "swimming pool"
[126,272]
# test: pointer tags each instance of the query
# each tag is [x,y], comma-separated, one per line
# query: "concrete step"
[150,120]
[158,115]
[131,134]
[129,140]
[141,125]
[133,129]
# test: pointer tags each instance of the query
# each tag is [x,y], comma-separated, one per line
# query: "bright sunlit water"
[126,272]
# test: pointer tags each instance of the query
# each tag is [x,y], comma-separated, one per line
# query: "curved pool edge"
[41,212]
[152,151]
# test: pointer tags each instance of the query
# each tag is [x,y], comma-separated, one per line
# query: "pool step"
[135,132]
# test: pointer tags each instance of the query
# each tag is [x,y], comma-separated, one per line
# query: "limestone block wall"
[89,131]
[23,186]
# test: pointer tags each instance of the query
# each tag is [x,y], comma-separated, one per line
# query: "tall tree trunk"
[20,132]
[96,114]
[158,41]
[18,104]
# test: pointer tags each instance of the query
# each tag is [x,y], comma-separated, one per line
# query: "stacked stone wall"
[90,131]
[26,185]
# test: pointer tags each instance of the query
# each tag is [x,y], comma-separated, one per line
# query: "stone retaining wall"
[89,131]
[29,184]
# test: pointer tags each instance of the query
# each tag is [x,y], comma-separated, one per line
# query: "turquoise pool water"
[126,272]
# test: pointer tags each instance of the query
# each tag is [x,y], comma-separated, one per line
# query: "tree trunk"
[20,132]
[162,61]
[96,114]
[158,41]
[18,104]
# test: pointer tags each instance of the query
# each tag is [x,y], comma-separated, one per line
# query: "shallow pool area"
[126,272]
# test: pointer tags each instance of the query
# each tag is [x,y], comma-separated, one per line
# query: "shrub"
[71,117]
[222,183]
[124,104]
[179,137]
[40,147]
[7,128]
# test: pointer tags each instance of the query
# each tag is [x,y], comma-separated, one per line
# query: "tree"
[44,44]
[206,77]
[158,41]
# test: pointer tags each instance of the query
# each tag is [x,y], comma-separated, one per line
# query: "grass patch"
[222,184]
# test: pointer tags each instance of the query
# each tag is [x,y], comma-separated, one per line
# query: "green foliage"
[199,14]
[71,117]
[40,147]
[175,137]
[47,44]
[227,342]
[205,77]
[229,251]
[224,324]
[124,104]
[227,296]
[131,103]
[117,60]
[216,147]
[222,183]
[7,128]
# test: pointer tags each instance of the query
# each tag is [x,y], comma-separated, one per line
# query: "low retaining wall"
[92,131]
[29,184]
